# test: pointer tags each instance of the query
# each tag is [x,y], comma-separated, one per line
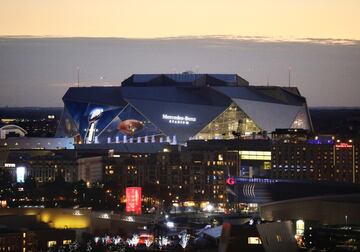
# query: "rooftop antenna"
[78,76]
[267,80]
[289,76]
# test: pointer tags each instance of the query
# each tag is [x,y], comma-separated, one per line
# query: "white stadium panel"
[269,116]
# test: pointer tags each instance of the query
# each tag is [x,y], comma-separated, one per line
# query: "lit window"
[51,244]
[254,240]
[300,227]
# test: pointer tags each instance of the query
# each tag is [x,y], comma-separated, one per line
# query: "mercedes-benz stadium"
[179,107]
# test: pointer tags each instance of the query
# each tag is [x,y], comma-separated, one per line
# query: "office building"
[322,158]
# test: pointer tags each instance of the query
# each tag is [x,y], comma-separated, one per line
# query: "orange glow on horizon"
[162,18]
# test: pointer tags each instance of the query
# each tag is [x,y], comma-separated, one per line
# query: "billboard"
[133,200]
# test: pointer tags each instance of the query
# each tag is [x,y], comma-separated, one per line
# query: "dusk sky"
[164,18]
[259,40]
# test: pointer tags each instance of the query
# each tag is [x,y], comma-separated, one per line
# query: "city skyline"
[179,125]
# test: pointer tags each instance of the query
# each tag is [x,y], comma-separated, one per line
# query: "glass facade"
[233,119]
[301,121]
[67,127]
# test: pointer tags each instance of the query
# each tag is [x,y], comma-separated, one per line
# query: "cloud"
[327,41]
[260,39]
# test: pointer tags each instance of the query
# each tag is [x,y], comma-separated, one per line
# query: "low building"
[45,166]
[27,233]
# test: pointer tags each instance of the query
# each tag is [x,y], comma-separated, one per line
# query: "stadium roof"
[185,79]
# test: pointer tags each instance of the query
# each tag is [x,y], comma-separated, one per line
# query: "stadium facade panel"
[178,107]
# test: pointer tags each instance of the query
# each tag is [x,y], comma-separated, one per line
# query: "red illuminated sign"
[343,145]
[133,200]
[230,181]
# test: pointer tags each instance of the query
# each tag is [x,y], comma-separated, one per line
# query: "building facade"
[45,166]
[320,159]
[174,175]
